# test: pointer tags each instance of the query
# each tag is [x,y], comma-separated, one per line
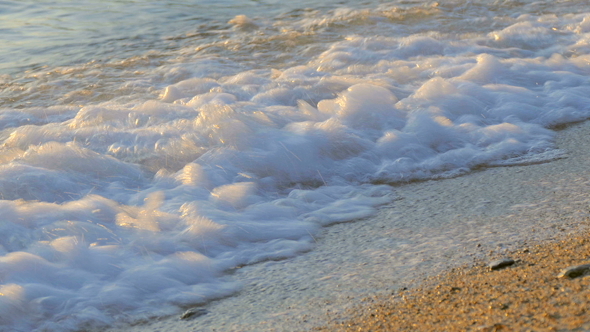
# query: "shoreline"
[530,295]
[433,227]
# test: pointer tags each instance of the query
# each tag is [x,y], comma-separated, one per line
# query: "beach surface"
[432,228]
[269,166]
[533,294]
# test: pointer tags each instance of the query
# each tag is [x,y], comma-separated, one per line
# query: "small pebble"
[500,263]
[493,328]
[575,271]
[193,313]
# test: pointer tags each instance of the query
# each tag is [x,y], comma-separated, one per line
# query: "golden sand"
[527,296]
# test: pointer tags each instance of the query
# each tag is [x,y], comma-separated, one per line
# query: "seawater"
[148,149]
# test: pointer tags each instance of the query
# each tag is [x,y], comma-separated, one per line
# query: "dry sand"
[527,296]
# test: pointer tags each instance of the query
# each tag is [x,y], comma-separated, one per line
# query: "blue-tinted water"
[51,33]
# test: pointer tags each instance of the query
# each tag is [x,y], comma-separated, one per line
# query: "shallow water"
[149,149]
[45,34]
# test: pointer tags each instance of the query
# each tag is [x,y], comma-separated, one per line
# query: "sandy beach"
[436,238]
[293,166]
[530,295]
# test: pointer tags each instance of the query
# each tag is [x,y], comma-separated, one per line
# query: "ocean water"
[150,148]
